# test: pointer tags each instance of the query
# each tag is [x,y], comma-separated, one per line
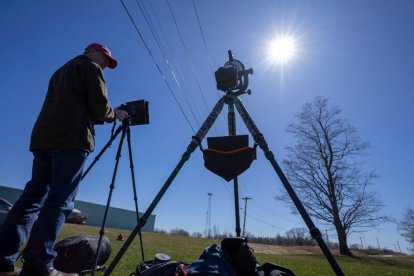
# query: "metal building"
[117,218]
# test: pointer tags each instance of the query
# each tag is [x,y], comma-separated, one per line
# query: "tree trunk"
[342,239]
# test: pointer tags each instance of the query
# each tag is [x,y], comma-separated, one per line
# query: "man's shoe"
[55,272]
[9,270]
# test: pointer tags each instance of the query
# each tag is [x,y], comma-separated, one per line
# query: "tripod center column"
[231,121]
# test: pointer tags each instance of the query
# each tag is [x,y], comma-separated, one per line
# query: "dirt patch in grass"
[278,250]
[286,250]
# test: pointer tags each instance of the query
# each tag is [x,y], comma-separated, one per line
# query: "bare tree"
[179,232]
[298,235]
[324,167]
[406,226]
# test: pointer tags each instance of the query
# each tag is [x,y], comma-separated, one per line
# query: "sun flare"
[282,49]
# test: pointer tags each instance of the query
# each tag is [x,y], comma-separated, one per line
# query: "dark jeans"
[42,208]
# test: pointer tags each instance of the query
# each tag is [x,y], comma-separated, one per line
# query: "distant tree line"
[293,237]
[371,250]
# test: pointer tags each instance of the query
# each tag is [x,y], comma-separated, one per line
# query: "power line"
[170,65]
[190,62]
[177,69]
[156,64]
[275,212]
[205,45]
[152,28]
[266,223]
[164,52]
[188,57]
[205,49]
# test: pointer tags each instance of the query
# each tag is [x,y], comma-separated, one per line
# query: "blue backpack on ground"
[211,262]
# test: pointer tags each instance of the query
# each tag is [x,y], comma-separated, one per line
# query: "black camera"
[227,78]
[137,111]
[233,77]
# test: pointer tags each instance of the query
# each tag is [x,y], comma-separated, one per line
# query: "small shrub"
[179,232]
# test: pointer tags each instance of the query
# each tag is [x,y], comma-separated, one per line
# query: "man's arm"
[98,105]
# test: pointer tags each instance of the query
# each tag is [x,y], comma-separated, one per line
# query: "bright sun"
[282,49]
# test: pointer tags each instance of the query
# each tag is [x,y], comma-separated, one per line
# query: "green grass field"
[187,249]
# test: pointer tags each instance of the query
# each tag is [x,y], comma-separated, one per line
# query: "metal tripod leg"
[260,140]
[112,187]
[107,145]
[186,155]
[124,128]
[131,165]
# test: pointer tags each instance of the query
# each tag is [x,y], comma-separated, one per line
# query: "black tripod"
[125,129]
[230,99]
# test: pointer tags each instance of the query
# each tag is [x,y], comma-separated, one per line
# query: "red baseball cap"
[104,50]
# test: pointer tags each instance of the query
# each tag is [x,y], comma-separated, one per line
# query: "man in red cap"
[62,138]
[101,49]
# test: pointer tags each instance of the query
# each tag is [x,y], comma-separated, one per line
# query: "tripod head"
[233,78]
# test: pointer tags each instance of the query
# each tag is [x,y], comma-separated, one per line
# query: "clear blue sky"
[358,54]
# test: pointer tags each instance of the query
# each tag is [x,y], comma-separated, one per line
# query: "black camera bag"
[240,255]
[76,254]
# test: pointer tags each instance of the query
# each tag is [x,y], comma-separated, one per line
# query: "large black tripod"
[125,130]
[230,99]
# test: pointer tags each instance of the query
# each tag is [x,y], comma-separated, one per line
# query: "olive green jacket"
[76,99]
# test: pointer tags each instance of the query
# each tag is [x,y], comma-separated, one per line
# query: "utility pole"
[245,211]
[361,243]
[207,230]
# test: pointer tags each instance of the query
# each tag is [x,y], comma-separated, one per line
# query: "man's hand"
[120,114]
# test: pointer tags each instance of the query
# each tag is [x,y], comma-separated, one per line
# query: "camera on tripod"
[138,113]
[233,77]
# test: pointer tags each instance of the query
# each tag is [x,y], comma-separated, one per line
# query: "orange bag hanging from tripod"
[228,156]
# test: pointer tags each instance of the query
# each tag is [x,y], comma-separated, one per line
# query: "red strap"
[229,152]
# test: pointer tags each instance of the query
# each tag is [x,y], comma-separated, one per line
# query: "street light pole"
[207,231]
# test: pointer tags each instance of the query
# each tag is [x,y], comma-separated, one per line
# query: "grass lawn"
[187,249]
